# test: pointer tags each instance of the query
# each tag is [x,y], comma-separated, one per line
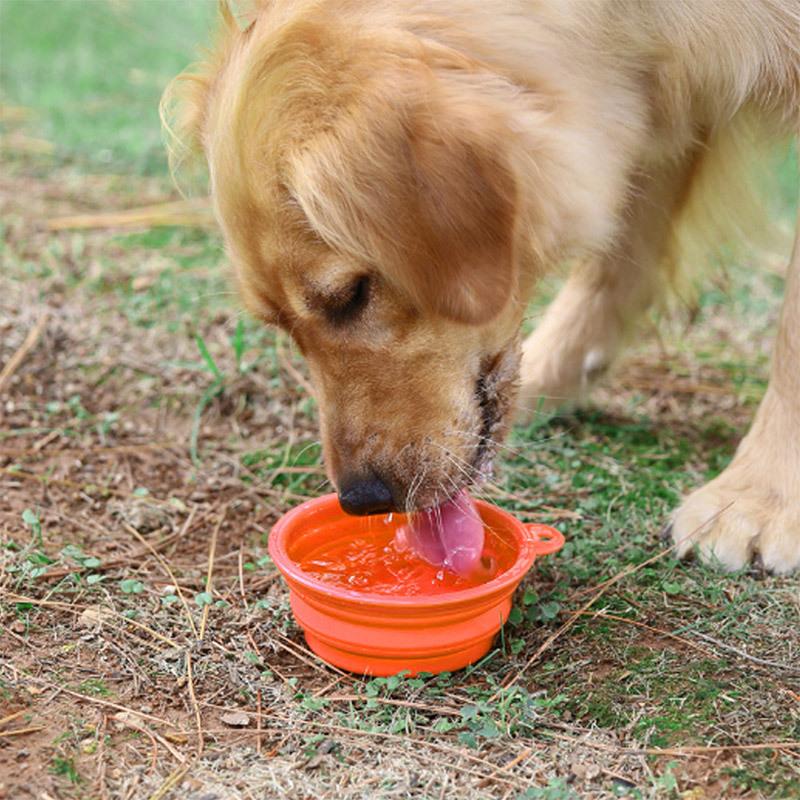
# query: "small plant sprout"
[31,520]
[212,391]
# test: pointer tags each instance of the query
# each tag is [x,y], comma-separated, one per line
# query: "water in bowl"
[376,561]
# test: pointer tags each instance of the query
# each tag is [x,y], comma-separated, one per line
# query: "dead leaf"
[583,769]
[143,516]
[142,282]
[236,719]
[592,770]
[578,769]
[127,719]
[94,616]
[316,761]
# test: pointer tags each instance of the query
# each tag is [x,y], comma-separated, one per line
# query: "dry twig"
[195,705]
[212,550]
[166,567]
[27,345]
[169,784]
[678,751]
[181,212]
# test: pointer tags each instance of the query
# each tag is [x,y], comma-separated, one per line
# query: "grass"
[91,73]
[151,418]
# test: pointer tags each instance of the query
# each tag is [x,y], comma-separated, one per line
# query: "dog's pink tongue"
[449,535]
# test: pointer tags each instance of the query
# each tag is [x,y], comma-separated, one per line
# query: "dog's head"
[370,206]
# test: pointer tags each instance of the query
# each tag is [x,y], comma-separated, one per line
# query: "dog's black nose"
[365,496]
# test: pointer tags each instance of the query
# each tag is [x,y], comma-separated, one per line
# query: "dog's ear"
[425,193]
[184,103]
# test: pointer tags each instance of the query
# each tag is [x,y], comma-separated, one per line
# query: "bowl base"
[378,667]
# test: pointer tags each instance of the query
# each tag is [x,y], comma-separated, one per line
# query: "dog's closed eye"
[346,304]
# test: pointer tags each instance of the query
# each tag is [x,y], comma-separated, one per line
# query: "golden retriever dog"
[393,177]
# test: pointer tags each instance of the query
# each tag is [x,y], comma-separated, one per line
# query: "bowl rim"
[292,572]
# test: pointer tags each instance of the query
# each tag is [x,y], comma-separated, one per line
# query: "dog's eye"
[346,305]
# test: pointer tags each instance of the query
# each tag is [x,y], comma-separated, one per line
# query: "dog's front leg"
[581,332]
[587,323]
[753,506]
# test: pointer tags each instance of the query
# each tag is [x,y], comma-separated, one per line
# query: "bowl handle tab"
[544,539]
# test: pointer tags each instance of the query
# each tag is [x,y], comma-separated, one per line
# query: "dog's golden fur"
[393,177]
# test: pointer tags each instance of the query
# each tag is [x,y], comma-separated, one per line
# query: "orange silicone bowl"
[378,634]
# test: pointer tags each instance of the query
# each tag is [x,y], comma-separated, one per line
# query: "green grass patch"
[93,72]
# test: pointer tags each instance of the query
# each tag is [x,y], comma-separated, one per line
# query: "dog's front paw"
[555,373]
[745,511]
